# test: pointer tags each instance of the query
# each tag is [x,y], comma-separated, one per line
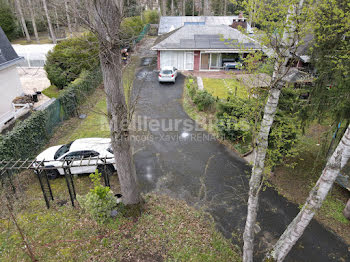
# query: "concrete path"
[190,164]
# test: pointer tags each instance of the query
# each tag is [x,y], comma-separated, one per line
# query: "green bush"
[70,57]
[151,17]
[75,93]
[191,86]
[203,99]
[8,21]
[131,27]
[99,202]
[284,135]
[234,128]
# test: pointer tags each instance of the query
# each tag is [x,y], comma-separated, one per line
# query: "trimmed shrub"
[151,17]
[70,57]
[203,99]
[76,92]
[99,202]
[131,27]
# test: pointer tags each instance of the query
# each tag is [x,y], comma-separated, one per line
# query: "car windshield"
[62,150]
[167,72]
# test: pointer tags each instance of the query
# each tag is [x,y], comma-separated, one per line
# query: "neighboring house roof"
[170,23]
[214,37]
[294,75]
[304,48]
[8,56]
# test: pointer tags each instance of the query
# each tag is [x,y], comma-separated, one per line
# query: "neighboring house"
[203,47]
[168,24]
[10,85]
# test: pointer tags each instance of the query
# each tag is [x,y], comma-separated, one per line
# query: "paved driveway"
[192,165]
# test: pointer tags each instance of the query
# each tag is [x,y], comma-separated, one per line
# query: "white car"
[167,74]
[79,151]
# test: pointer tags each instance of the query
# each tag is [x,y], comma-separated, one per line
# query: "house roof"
[8,56]
[207,37]
[170,23]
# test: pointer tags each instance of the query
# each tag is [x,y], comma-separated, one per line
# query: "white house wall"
[176,59]
[10,87]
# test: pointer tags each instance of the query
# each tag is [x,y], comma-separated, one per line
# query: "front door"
[189,60]
[205,61]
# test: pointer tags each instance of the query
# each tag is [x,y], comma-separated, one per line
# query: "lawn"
[222,88]
[167,230]
[51,92]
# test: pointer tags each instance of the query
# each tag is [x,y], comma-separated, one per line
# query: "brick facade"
[158,60]
[197,60]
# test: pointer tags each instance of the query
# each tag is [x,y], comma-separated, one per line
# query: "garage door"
[179,59]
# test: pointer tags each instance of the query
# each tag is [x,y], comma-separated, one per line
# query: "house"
[203,47]
[10,85]
[168,24]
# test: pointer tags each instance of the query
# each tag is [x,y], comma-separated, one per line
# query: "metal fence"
[42,170]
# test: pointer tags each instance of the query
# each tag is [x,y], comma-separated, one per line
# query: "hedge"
[29,137]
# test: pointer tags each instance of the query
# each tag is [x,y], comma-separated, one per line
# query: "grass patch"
[223,87]
[52,91]
[168,230]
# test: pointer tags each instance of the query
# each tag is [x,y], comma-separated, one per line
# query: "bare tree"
[183,7]
[225,7]
[52,32]
[105,19]
[206,8]
[172,7]
[33,21]
[68,18]
[23,21]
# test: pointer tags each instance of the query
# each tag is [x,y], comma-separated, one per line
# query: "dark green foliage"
[203,99]
[70,57]
[284,135]
[234,128]
[8,21]
[330,97]
[26,138]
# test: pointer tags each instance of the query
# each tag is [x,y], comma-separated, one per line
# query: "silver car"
[167,74]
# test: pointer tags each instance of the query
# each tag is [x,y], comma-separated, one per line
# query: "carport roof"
[207,37]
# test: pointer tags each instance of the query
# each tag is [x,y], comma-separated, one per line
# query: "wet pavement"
[191,165]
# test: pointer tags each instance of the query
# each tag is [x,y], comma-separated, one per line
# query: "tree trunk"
[68,18]
[206,9]
[317,195]
[346,211]
[33,21]
[23,21]
[270,109]
[225,7]
[183,7]
[107,18]
[255,182]
[172,7]
[193,7]
[52,32]
[164,7]
[57,21]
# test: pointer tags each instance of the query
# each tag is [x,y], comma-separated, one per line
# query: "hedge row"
[28,137]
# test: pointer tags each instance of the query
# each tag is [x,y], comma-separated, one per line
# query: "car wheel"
[52,174]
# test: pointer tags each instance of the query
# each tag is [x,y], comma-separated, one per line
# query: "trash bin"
[35,98]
